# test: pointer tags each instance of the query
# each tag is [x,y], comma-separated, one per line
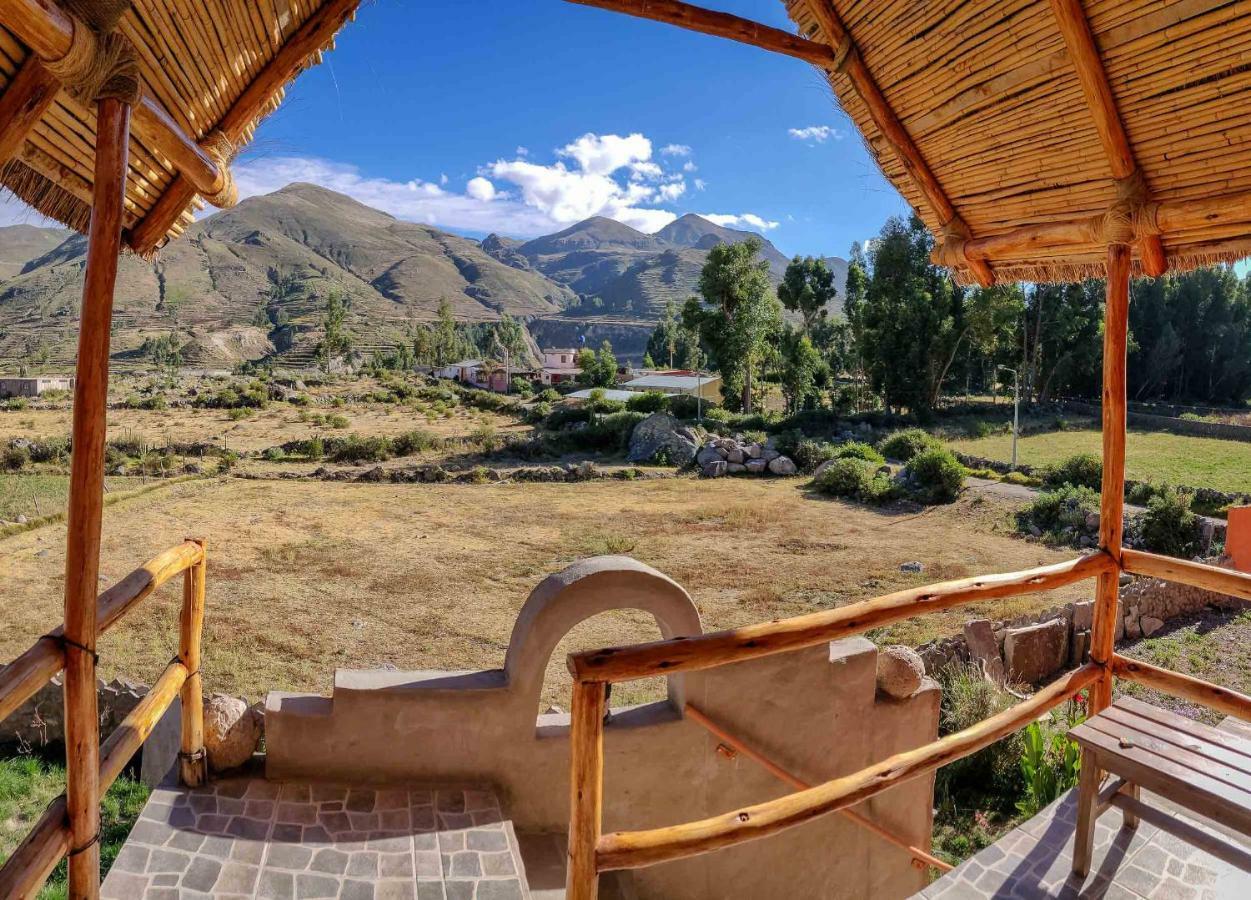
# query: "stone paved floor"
[1035,861]
[251,838]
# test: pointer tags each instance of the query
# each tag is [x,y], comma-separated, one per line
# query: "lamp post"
[1016,409]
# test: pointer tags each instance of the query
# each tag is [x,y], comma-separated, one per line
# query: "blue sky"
[523,117]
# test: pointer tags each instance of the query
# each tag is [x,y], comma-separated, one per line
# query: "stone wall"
[1023,651]
[41,719]
[1152,422]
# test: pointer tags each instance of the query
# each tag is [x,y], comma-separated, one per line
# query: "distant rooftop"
[680,382]
[608,393]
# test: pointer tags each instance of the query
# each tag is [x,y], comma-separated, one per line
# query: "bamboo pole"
[86,499]
[1093,78]
[1213,696]
[1112,499]
[630,850]
[23,103]
[192,763]
[919,856]
[29,672]
[49,32]
[586,789]
[716,648]
[320,27]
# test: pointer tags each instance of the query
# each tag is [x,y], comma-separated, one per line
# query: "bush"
[684,406]
[521,386]
[549,395]
[1054,511]
[607,434]
[315,448]
[337,421]
[1050,763]
[858,450]
[355,448]
[537,413]
[1022,479]
[969,698]
[15,458]
[649,402]
[1142,493]
[415,441]
[903,445]
[274,454]
[845,478]
[935,475]
[1168,526]
[809,454]
[1082,470]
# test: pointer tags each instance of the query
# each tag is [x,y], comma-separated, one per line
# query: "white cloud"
[700,184]
[690,167]
[645,170]
[480,189]
[522,151]
[749,221]
[443,179]
[675,150]
[672,190]
[816,133]
[605,154]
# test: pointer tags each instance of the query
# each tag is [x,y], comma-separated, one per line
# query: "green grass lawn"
[28,784]
[1149,455]
[35,496]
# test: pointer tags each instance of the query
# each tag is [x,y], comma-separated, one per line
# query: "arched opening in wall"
[609,629]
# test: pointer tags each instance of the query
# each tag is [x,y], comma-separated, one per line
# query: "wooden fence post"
[193,765]
[1112,503]
[86,500]
[586,788]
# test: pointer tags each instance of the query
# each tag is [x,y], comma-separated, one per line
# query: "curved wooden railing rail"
[590,853]
[48,842]
[920,858]
[1184,687]
[1200,575]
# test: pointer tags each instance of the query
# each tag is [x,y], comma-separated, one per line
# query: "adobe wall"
[815,712]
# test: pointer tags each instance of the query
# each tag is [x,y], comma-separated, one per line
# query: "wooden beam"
[193,765]
[722,25]
[1112,498]
[586,789]
[49,31]
[34,859]
[133,730]
[1093,77]
[890,126]
[685,654]
[320,27]
[1224,850]
[1200,575]
[629,850]
[1186,687]
[23,103]
[86,498]
[919,856]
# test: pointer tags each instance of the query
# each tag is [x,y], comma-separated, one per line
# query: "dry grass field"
[305,577]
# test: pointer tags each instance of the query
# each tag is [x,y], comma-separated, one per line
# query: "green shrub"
[299,399]
[1168,526]
[935,475]
[416,441]
[845,478]
[1142,493]
[684,406]
[337,421]
[606,434]
[1054,511]
[521,386]
[1049,764]
[1082,470]
[649,402]
[239,412]
[1022,479]
[315,448]
[537,413]
[274,454]
[980,429]
[15,458]
[355,448]
[858,450]
[969,698]
[809,454]
[903,445]
[548,395]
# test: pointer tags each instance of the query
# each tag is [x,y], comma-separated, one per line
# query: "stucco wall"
[814,711]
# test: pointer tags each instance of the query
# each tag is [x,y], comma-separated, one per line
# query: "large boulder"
[899,671]
[782,465]
[232,732]
[707,456]
[661,432]
[716,468]
[1034,652]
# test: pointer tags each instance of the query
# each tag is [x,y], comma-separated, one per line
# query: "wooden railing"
[49,841]
[591,852]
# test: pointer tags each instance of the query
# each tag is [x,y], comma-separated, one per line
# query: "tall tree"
[736,317]
[808,289]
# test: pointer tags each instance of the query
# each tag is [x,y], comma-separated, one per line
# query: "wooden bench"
[1201,769]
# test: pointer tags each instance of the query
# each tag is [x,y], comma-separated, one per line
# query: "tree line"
[908,335]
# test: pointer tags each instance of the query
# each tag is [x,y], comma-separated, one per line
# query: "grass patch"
[35,496]
[1149,455]
[28,784]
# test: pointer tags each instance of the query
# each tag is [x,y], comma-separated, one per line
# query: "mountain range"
[251,281]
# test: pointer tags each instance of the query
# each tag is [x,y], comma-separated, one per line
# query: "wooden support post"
[23,103]
[192,763]
[86,500]
[586,788]
[1112,502]
[1087,797]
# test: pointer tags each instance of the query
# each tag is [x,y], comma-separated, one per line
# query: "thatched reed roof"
[990,94]
[213,68]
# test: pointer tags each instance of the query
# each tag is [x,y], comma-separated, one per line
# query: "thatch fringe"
[46,197]
[1180,259]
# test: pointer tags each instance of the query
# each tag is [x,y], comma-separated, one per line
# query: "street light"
[1016,409]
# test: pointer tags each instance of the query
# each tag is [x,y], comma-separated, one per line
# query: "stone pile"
[734,456]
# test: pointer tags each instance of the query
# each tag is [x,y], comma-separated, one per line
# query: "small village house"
[560,365]
[34,386]
[466,371]
[693,384]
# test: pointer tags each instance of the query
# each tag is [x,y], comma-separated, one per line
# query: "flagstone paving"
[1035,860]
[252,838]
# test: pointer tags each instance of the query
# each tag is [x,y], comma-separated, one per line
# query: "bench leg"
[1130,819]
[1087,796]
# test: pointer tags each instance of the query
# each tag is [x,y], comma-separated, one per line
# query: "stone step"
[249,837]
[545,856]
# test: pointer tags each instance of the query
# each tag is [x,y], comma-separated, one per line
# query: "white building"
[692,384]
[560,365]
[33,387]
